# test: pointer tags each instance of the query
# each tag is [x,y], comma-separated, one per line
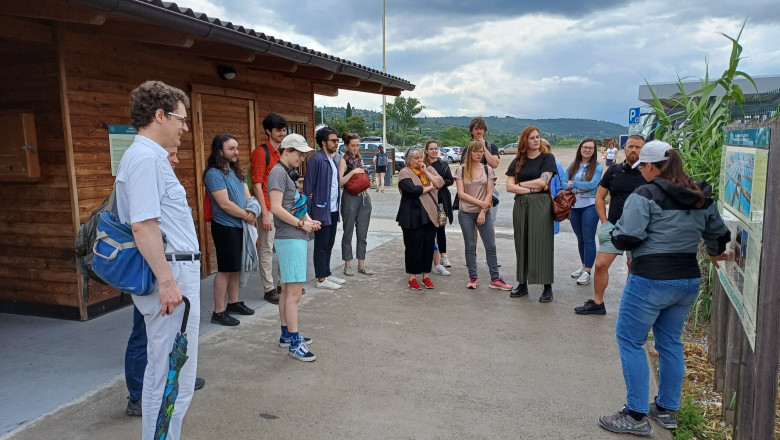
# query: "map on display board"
[742,194]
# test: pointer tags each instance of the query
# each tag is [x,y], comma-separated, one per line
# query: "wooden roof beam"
[17,29]
[325,89]
[222,52]
[269,62]
[55,10]
[143,33]
[315,73]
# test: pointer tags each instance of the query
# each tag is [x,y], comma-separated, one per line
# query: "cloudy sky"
[527,59]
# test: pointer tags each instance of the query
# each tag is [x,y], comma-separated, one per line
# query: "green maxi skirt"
[533,224]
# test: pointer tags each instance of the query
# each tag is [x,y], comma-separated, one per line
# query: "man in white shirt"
[150,197]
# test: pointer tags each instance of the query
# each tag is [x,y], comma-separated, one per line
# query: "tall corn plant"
[695,126]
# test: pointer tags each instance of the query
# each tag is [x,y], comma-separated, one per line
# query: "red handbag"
[207,214]
[357,184]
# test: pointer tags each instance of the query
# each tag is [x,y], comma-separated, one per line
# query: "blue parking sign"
[633,115]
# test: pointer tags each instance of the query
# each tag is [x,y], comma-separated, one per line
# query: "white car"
[452,154]
[399,160]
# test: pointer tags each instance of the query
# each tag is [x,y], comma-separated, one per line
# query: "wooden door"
[216,115]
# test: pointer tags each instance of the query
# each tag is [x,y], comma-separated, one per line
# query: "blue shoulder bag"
[117,259]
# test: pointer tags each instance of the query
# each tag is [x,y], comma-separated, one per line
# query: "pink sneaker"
[498,283]
[472,283]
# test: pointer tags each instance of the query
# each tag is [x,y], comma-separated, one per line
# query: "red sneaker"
[414,284]
[427,283]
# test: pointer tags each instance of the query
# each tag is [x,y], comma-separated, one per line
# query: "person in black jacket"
[418,216]
[662,224]
[440,259]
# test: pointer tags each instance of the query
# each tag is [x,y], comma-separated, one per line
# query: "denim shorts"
[292,255]
[605,239]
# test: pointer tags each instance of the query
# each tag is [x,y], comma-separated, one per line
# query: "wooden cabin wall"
[37,262]
[101,73]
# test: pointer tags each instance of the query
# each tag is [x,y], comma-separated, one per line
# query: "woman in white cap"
[293,225]
[662,224]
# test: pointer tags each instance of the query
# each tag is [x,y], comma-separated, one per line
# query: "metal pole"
[384,97]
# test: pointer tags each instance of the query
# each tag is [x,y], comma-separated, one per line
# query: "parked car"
[399,160]
[452,154]
[508,149]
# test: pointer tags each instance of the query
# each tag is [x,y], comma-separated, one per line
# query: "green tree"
[454,136]
[356,124]
[349,112]
[317,116]
[404,111]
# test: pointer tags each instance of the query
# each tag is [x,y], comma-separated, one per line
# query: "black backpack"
[85,241]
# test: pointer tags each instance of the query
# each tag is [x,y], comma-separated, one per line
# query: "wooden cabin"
[69,67]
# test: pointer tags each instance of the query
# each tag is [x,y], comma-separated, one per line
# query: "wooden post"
[743,423]
[733,347]
[718,329]
[767,352]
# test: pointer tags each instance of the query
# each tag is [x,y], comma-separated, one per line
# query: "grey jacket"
[250,262]
[662,226]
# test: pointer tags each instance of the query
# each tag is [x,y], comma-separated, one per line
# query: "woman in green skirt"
[529,177]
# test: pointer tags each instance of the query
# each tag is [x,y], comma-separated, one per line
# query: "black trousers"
[418,254]
[441,239]
[323,246]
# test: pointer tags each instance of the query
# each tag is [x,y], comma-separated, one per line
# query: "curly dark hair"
[150,96]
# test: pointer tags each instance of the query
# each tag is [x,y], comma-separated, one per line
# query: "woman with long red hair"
[529,177]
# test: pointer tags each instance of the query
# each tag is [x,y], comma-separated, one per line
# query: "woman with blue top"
[584,176]
[228,192]
[293,226]
[663,223]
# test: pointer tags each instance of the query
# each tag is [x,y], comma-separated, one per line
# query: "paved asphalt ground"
[393,363]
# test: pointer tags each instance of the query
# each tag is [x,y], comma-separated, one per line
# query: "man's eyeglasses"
[333,140]
[182,118]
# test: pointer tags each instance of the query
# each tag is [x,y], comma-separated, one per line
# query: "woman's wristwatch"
[300,224]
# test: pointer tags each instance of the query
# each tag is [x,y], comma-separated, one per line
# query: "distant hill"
[561,127]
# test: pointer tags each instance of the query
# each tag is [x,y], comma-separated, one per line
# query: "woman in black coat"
[417,215]
[440,258]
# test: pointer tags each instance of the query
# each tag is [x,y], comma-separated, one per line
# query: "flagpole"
[384,70]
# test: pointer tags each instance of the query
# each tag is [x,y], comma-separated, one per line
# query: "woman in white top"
[611,154]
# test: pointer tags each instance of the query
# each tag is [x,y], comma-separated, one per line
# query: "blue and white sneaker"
[285,342]
[302,353]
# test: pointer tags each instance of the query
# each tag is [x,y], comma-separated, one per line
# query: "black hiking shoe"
[591,308]
[520,290]
[239,308]
[546,294]
[665,417]
[223,318]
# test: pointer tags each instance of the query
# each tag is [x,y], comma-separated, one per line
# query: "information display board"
[120,137]
[742,195]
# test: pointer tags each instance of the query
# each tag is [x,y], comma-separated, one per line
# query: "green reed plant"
[695,125]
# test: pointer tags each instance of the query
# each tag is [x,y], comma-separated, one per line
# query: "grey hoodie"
[662,226]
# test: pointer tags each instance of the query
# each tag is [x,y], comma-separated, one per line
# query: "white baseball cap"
[652,152]
[297,142]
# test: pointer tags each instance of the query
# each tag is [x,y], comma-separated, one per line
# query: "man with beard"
[229,192]
[321,185]
[619,182]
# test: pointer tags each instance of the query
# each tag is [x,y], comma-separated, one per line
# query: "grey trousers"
[356,214]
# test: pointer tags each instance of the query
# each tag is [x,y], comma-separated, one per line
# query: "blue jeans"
[663,306]
[584,221]
[135,356]
[467,222]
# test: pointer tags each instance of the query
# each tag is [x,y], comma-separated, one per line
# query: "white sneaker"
[328,284]
[585,278]
[336,279]
[445,261]
[439,269]
[578,272]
